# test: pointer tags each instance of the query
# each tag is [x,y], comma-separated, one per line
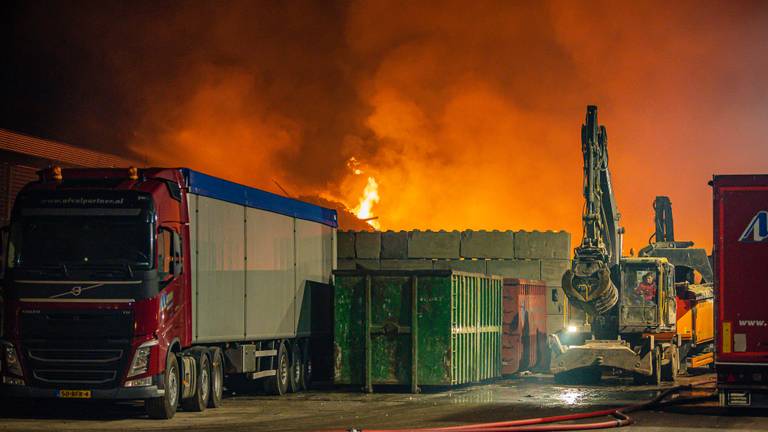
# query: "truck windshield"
[84,237]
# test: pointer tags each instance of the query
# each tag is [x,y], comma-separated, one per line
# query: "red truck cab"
[95,284]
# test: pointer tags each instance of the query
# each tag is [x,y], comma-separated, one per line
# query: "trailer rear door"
[741,263]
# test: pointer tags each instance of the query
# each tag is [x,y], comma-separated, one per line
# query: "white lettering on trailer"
[757,230]
[753,323]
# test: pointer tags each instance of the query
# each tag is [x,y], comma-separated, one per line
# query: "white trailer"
[256,261]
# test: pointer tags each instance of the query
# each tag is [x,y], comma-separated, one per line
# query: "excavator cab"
[647,296]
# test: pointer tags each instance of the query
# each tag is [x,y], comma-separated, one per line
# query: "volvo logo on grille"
[75,291]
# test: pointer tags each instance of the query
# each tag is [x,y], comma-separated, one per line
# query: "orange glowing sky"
[468,114]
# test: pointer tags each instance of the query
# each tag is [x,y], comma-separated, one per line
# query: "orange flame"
[364,209]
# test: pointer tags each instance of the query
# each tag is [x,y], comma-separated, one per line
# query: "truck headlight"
[140,363]
[141,382]
[11,360]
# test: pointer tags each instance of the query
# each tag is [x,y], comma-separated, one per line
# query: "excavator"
[625,312]
[693,285]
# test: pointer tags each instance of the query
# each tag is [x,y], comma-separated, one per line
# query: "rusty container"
[416,328]
[524,337]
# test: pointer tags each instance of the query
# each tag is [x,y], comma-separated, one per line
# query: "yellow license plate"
[75,394]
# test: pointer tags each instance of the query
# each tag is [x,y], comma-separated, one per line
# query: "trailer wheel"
[297,368]
[165,407]
[278,383]
[306,377]
[199,399]
[217,378]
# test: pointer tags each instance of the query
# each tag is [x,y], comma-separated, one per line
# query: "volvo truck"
[158,284]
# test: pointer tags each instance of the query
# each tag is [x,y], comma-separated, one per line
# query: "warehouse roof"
[214,187]
[58,152]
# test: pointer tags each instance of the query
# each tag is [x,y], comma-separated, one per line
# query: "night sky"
[467,114]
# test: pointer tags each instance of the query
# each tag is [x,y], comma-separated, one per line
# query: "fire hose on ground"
[620,417]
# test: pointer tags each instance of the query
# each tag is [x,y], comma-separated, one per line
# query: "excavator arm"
[588,283]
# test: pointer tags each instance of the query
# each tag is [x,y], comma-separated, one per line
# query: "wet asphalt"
[341,409]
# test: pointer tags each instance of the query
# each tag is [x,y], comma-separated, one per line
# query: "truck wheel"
[669,371]
[199,400]
[165,407]
[278,383]
[306,377]
[656,377]
[217,379]
[297,368]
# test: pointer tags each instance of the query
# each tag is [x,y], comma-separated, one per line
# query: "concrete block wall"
[519,254]
[368,245]
[434,244]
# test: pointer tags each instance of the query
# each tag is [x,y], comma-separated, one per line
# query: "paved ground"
[532,396]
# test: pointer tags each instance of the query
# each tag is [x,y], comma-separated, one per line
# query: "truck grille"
[76,350]
[63,376]
[75,355]
[66,367]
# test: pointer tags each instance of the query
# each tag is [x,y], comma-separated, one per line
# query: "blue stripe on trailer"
[214,187]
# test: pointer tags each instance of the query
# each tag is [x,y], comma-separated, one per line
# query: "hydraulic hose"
[620,418]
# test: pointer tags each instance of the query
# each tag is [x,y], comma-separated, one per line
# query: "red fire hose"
[620,418]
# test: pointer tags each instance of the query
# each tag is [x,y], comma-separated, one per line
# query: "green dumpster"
[416,327]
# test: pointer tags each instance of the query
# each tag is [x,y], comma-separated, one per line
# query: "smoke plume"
[467,114]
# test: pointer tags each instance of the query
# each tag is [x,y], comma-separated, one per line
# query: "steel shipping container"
[416,328]
[740,257]
[524,339]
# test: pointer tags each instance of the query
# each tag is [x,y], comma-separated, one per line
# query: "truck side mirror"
[164,254]
[177,266]
[169,254]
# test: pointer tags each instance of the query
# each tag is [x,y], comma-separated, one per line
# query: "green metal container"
[416,327]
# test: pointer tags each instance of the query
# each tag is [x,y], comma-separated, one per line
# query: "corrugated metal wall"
[21,156]
[12,179]
[58,152]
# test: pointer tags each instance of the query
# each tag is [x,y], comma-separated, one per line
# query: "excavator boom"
[588,283]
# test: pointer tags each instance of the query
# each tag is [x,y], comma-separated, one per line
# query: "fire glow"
[364,209]
[460,135]
[370,196]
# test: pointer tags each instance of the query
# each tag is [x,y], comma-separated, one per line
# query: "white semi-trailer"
[157,283]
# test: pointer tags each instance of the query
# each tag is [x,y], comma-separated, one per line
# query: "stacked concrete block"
[552,270]
[407,264]
[345,241]
[434,244]
[514,254]
[470,266]
[552,273]
[368,245]
[394,245]
[488,244]
[515,268]
[540,244]
[356,264]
